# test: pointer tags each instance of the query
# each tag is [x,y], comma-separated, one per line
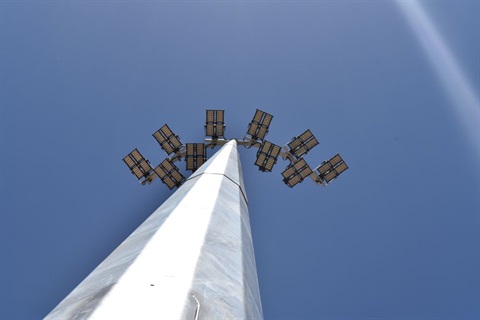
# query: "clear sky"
[391,86]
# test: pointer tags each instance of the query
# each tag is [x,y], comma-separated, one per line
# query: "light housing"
[299,146]
[296,173]
[267,156]
[138,165]
[195,156]
[258,127]
[331,169]
[215,124]
[169,173]
[168,141]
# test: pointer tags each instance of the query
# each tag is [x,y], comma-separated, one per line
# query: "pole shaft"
[195,250]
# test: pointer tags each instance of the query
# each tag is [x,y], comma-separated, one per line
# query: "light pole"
[193,258]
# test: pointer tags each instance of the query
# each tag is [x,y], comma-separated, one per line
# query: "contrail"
[449,72]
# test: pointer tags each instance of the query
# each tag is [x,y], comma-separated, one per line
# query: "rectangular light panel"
[145,166]
[324,168]
[129,162]
[267,120]
[166,131]
[288,172]
[335,160]
[341,167]
[137,172]
[169,182]
[252,129]
[136,155]
[306,135]
[158,136]
[219,132]
[294,144]
[294,181]
[220,115]
[209,115]
[330,176]
[311,143]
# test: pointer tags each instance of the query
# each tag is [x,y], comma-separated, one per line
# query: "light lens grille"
[129,162]
[145,166]
[136,155]
[137,172]
[341,167]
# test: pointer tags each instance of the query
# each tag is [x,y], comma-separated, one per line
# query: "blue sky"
[397,236]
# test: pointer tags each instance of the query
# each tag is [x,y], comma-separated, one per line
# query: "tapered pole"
[192,258]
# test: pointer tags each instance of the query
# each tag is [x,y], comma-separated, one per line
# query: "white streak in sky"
[459,89]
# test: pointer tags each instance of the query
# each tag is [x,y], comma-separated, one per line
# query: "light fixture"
[169,174]
[258,127]
[296,173]
[267,156]
[137,164]
[215,124]
[299,146]
[331,169]
[195,155]
[169,141]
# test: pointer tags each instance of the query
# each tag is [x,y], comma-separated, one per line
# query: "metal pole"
[198,243]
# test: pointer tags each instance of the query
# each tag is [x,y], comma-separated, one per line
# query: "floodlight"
[169,174]
[258,127]
[169,141]
[215,124]
[331,169]
[195,155]
[299,146]
[296,173]
[137,164]
[267,156]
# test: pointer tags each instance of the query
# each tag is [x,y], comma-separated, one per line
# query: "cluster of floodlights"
[195,154]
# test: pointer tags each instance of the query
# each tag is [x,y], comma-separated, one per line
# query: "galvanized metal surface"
[192,258]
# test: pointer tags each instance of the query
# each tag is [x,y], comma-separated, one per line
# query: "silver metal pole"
[198,243]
